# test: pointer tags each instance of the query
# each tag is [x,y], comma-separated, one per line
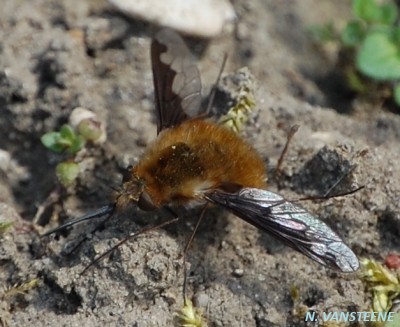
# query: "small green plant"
[384,286]
[72,139]
[372,45]
[243,100]
[20,289]
[66,140]
[190,316]
[5,226]
[67,172]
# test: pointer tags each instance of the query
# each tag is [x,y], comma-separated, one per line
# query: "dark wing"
[177,84]
[290,223]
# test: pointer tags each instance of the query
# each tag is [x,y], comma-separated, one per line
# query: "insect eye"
[230,187]
[145,203]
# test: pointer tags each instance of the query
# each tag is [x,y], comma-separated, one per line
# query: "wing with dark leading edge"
[177,83]
[290,223]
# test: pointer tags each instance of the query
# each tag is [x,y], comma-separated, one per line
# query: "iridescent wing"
[177,83]
[290,223]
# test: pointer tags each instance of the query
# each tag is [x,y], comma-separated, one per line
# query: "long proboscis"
[106,210]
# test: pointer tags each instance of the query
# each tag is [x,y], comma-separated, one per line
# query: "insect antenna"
[132,235]
[186,249]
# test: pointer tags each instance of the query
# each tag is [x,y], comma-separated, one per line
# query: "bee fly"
[195,162]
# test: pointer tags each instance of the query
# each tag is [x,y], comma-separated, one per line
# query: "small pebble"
[5,160]
[238,272]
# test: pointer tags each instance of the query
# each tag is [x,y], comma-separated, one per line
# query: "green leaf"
[67,132]
[72,141]
[366,10]
[353,34]
[67,172]
[52,141]
[396,94]
[371,12]
[379,57]
[77,143]
[66,139]
[388,14]
[396,35]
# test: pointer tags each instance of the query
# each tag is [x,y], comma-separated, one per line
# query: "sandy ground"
[57,55]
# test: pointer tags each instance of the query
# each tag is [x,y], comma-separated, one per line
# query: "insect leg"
[185,251]
[130,236]
[214,88]
[293,130]
[107,210]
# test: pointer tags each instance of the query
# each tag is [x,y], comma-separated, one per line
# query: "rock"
[204,18]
